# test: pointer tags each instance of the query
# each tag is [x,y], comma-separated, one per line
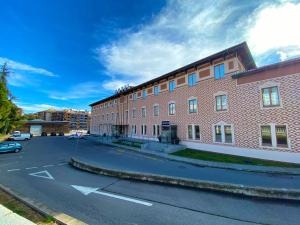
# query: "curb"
[262,192]
[59,218]
[202,163]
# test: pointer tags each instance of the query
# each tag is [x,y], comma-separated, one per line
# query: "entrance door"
[36,130]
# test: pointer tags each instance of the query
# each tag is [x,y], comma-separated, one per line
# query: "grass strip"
[225,158]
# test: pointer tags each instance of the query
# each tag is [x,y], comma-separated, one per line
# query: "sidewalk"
[202,163]
[7,217]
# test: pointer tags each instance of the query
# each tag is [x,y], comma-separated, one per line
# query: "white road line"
[62,164]
[13,170]
[47,166]
[29,168]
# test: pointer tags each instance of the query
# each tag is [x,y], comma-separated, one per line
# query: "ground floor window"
[144,129]
[155,130]
[223,133]
[194,132]
[274,135]
[133,129]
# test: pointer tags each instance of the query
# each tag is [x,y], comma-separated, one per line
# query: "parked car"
[76,136]
[61,134]
[20,137]
[10,147]
[44,134]
[53,134]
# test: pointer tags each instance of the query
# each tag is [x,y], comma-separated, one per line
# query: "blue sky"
[68,54]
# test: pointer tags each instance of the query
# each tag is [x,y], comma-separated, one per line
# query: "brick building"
[79,119]
[221,103]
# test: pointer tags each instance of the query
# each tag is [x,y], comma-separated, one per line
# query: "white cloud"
[24,67]
[276,27]
[82,90]
[185,31]
[36,107]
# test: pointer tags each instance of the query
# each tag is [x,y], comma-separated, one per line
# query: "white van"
[20,137]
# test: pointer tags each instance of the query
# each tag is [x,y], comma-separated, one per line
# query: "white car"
[20,137]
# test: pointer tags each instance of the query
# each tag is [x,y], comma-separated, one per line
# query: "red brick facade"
[245,113]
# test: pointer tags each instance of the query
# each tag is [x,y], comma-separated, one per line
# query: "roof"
[242,49]
[267,67]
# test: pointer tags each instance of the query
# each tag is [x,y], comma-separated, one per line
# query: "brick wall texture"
[245,112]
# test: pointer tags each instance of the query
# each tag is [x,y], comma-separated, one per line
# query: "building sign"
[165,123]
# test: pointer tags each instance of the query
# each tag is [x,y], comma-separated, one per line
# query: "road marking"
[88,190]
[62,164]
[47,166]
[45,173]
[30,168]
[13,170]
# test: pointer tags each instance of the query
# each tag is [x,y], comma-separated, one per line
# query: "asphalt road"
[168,205]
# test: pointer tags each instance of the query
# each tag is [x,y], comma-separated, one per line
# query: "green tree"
[10,116]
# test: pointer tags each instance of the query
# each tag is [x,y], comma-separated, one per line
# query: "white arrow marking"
[88,190]
[43,174]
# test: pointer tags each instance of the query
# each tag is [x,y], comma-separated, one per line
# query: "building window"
[219,71]
[194,132]
[156,90]
[134,113]
[228,134]
[221,103]
[270,97]
[143,112]
[107,116]
[266,136]
[144,129]
[144,93]
[274,136]
[192,79]
[281,136]
[197,132]
[190,132]
[157,130]
[126,115]
[112,116]
[155,110]
[135,96]
[172,108]
[133,129]
[223,133]
[193,106]
[172,85]
[218,133]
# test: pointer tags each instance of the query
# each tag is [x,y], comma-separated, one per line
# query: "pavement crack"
[109,185]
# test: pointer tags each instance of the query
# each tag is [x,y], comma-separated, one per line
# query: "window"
[190,132]
[193,106]
[155,110]
[192,79]
[281,136]
[218,133]
[197,132]
[266,136]
[156,90]
[107,116]
[126,115]
[144,129]
[112,116]
[219,71]
[158,130]
[144,93]
[133,129]
[134,96]
[172,85]
[194,132]
[223,133]
[143,112]
[171,108]
[221,103]
[134,113]
[270,97]
[274,136]
[228,134]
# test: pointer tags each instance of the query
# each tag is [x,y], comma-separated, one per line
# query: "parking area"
[41,172]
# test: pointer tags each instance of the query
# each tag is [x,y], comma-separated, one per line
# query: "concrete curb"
[272,193]
[60,218]
[202,163]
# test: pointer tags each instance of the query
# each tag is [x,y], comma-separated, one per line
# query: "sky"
[70,53]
